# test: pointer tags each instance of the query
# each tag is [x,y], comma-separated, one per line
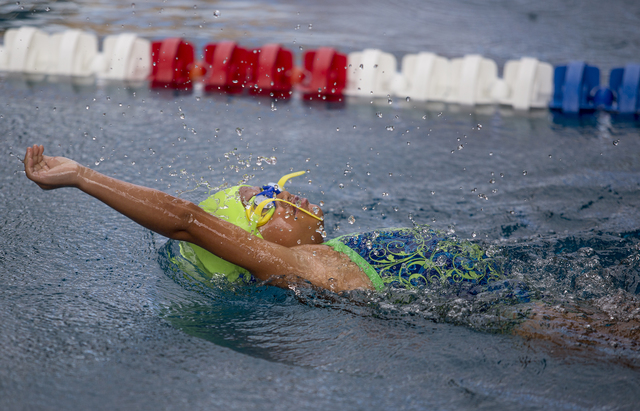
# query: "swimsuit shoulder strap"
[341,247]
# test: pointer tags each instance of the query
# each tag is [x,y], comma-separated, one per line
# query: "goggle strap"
[261,206]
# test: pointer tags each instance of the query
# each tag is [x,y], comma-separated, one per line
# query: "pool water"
[91,314]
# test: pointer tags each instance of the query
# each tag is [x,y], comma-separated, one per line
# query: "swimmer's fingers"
[32,160]
[33,164]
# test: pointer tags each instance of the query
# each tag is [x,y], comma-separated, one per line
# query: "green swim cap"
[225,204]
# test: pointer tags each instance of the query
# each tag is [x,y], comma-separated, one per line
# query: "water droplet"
[273,106]
[379,114]
[239,131]
[362,66]
[433,193]
[460,147]
[492,181]
[479,126]
[321,203]
[390,128]
[216,13]
[474,234]
[341,185]
[616,142]
[182,116]
[524,172]
[351,219]
[385,194]
[337,128]
[389,101]
[310,26]
[87,107]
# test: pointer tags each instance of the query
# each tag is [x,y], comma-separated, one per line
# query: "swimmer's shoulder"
[331,269]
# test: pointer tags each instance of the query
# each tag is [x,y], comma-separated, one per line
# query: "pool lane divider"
[325,74]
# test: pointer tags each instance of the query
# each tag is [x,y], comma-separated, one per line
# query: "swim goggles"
[262,206]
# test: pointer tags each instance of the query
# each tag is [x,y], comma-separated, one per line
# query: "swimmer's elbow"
[186,215]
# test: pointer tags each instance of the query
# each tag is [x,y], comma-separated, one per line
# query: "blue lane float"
[624,84]
[575,86]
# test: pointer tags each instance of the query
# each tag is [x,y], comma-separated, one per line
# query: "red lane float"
[172,60]
[328,74]
[272,67]
[227,67]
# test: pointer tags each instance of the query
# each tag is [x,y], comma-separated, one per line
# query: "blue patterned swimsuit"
[416,257]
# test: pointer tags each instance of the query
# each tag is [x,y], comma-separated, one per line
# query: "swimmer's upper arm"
[319,265]
[228,241]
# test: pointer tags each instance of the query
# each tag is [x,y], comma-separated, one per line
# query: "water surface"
[90,317]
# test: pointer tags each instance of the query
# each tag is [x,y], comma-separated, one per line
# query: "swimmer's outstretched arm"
[182,220]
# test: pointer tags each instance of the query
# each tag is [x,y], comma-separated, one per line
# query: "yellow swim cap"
[227,205]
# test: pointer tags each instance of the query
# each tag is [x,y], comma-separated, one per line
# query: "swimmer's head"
[270,212]
[261,206]
[281,217]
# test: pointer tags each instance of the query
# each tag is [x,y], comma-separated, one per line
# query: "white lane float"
[527,83]
[370,73]
[472,80]
[424,77]
[124,57]
[72,53]
[25,50]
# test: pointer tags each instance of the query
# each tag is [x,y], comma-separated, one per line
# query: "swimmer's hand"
[50,172]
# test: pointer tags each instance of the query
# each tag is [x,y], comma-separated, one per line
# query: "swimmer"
[290,250]
[276,236]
